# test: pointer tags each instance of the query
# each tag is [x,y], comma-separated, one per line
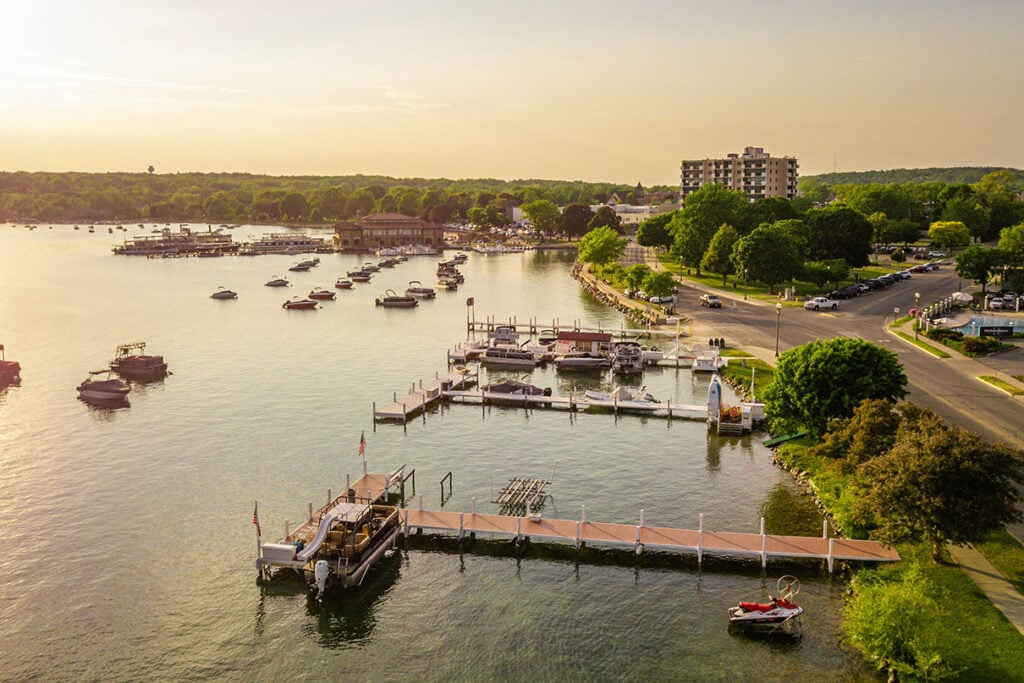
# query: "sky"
[567,90]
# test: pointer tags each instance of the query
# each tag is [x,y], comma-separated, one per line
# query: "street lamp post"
[778,322]
[745,272]
[917,313]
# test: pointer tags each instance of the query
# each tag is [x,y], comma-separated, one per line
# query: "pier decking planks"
[419,399]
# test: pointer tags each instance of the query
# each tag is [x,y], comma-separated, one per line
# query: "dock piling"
[824,528]
[831,553]
[700,539]
[310,503]
[764,546]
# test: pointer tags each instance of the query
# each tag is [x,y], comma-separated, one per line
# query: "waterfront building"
[755,172]
[184,242]
[387,230]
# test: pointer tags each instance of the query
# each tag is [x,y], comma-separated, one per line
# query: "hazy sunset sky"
[563,90]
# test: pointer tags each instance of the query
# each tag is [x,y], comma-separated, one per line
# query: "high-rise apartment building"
[754,172]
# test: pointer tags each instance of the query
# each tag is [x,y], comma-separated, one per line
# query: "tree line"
[236,197]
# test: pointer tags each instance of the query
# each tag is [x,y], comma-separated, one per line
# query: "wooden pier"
[640,537]
[534,326]
[422,397]
[575,402]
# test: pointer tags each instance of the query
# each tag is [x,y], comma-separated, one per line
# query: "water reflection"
[349,615]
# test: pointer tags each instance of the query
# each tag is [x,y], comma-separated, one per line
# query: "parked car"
[919,268]
[996,303]
[936,254]
[840,294]
[903,275]
[662,299]
[931,266]
[710,300]
[820,302]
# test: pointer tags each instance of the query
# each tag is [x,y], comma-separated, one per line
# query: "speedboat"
[391,299]
[513,387]
[10,371]
[628,359]
[417,290]
[620,395]
[130,361]
[109,390]
[780,612]
[223,293]
[320,293]
[299,304]
[300,267]
[343,284]
[277,282]
[582,361]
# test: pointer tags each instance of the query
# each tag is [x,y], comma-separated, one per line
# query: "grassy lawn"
[1000,384]
[1007,554]
[741,371]
[925,346]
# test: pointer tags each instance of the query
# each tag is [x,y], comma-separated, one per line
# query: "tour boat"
[277,282]
[10,371]
[299,304]
[320,293]
[417,289]
[110,389]
[343,284]
[779,612]
[130,361]
[223,293]
[392,299]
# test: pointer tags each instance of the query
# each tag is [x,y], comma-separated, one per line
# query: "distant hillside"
[958,174]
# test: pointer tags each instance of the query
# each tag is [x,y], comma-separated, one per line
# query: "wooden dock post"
[329,499]
[407,522]
[831,553]
[348,482]
[474,506]
[519,529]
[764,546]
[311,509]
[461,525]
[583,519]
[287,533]
[824,528]
[421,502]
[700,539]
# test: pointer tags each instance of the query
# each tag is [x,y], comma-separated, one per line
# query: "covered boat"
[514,387]
[224,293]
[277,282]
[342,283]
[109,390]
[130,361]
[582,361]
[508,357]
[628,359]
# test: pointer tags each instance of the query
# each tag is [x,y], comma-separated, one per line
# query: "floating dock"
[423,396]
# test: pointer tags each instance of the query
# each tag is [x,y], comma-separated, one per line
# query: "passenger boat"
[508,357]
[582,361]
[130,361]
[780,612]
[322,294]
[343,284]
[105,390]
[277,282]
[299,304]
[417,290]
[10,371]
[388,263]
[392,299]
[223,293]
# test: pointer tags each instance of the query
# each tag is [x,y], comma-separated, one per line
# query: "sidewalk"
[1001,592]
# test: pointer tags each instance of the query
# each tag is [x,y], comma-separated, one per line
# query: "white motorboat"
[707,360]
[623,398]
[628,359]
[780,612]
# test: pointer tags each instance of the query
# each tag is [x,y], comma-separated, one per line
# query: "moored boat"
[342,283]
[109,390]
[299,304]
[277,282]
[224,293]
[322,294]
[780,612]
[417,290]
[581,361]
[392,299]
[514,387]
[359,275]
[628,359]
[300,268]
[130,361]
[10,371]
[508,357]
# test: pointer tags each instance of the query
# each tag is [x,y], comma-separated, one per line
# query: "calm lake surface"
[127,546]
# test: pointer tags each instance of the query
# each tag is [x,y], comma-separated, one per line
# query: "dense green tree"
[409,202]
[636,274]
[386,204]
[869,433]
[332,202]
[767,255]
[1011,244]
[220,206]
[938,484]
[949,234]
[1000,192]
[892,200]
[814,190]
[294,206]
[702,214]
[970,212]
[659,284]
[575,218]
[979,264]
[822,273]
[838,232]
[766,210]
[359,203]
[718,257]
[601,246]
[653,232]
[827,379]
[605,216]
[544,215]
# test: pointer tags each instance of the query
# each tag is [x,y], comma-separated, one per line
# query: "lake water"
[127,546]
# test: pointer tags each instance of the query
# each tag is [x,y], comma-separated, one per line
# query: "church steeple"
[638,193]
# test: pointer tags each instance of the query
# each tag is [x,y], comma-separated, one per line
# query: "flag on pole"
[362,443]
[469,301]
[256,519]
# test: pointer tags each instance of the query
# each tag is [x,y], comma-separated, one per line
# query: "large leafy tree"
[825,272]
[1000,191]
[718,257]
[979,264]
[868,433]
[601,246]
[838,232]
[544,215]
[949,233]
[697,222]
[768,255]
[767,210]
[659,283]
[653,232]
[939,484]
[605,216]
[1011,243]
[575,218]
[827,379]
[636,274]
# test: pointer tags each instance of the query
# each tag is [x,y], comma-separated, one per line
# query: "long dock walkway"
[642,537]
[423,396]
[574,402]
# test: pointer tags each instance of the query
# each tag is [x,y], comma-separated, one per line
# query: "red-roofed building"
[387,230]
[595,342]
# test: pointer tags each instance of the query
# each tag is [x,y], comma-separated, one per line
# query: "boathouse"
[594,342]
[386,230]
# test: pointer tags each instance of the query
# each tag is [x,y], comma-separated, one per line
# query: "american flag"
[256,520]
[362,443]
